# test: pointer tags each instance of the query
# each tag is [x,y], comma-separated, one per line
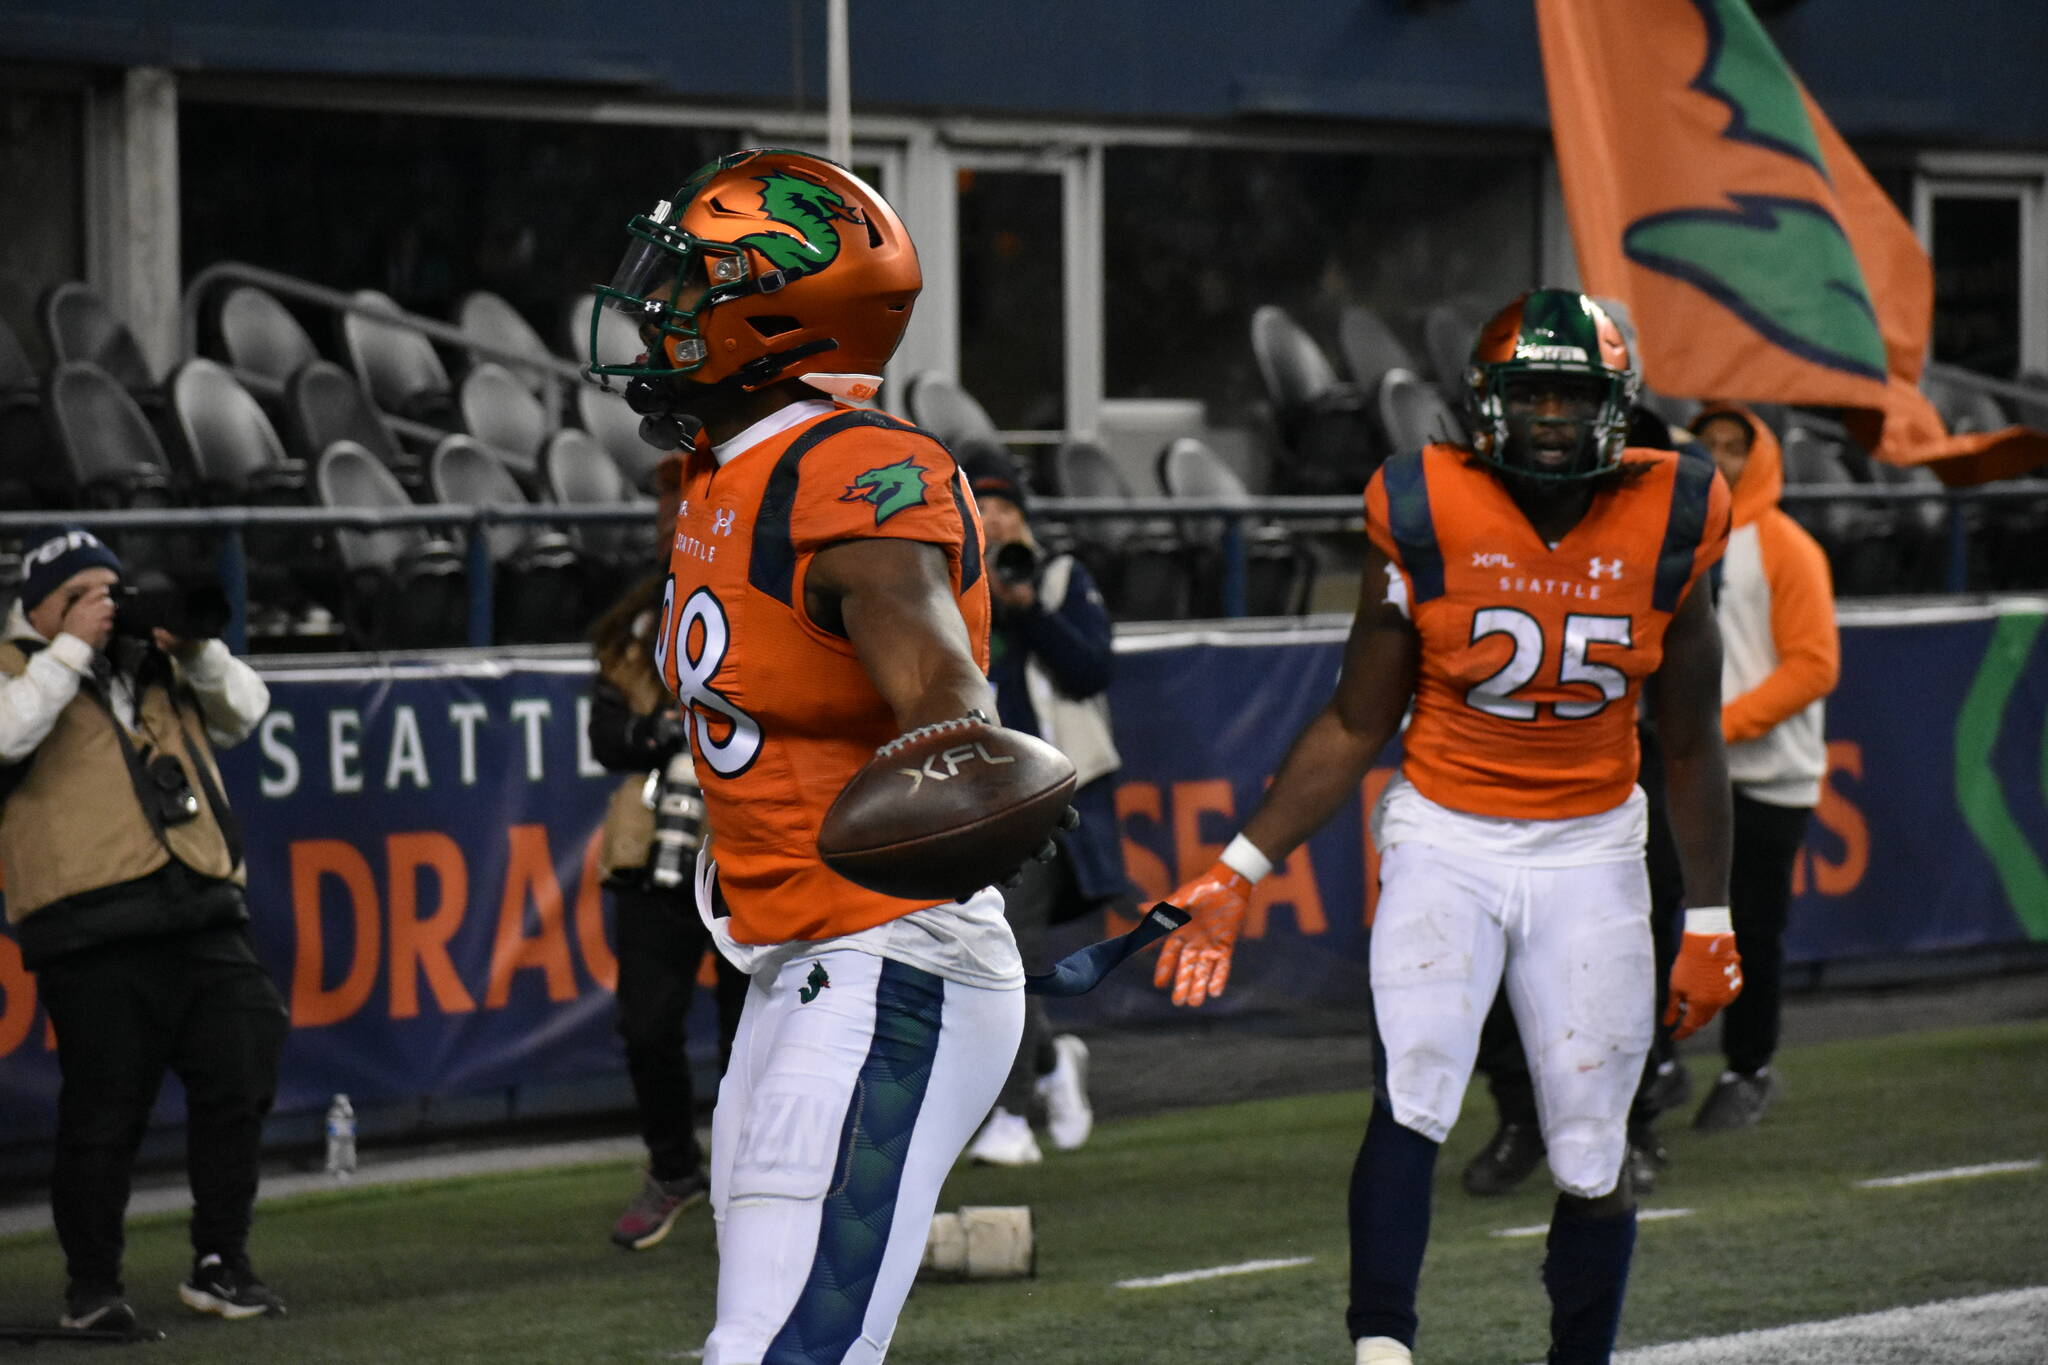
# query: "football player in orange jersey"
[825,595]
[1518,592]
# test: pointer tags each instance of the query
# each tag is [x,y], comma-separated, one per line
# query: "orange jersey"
[781,711]
[1532,656]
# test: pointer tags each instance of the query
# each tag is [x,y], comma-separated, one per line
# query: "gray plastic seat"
[580,472]
[618,340]
[1964,407]
[503,414]
[1369,346]
[1278,567]
[236,453]
[1447,336]
[1413,413]
[541,588]
[398,366]
[347,475]
[489,318]
[324,404]
[406,587]
[1293,367]
[110,451]
[462,471]
[261,337]
[616,429]
[948,411]
[80,326]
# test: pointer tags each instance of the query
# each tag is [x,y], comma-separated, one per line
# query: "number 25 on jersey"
[1495,695]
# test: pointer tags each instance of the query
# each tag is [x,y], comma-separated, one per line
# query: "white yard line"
[1994,1329]
[1215,1272]
[1952,1173]
[1642,1216]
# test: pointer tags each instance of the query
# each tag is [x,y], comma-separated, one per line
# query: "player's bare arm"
[1323,769]
[1687,702]
[1331,755]
[894,600]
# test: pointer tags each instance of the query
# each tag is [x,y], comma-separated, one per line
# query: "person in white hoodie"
[1780,656]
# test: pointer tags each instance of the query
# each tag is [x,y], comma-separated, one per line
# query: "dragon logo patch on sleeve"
[891,488]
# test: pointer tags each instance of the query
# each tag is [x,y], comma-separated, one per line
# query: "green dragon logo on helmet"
[812,211]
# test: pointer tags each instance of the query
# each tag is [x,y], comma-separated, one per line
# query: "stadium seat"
[1278,568]
[236,454]
[618,340]
[488,318]
[405,586]
[1963,406]
[616,429]
[540,580]
[1856,538]
[1413,412]
[1327,441]
[580,472]
[325,404]
[1447,336]
[110,452]
[502,413]
[1369,346]
[81,327]
[399,368]
[261,339]
[948,411]
[1148,553]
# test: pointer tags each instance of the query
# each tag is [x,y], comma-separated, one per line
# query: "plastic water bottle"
[341,1138]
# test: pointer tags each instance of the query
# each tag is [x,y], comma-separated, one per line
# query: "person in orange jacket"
[1780,656]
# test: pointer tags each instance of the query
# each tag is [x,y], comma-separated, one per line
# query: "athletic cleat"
[1069,1118]
[98,1313]
[1005,1140]
[1382,1351]
[653,1211]
[1736,1101]
[1508,1158]
[228,1289]
[1671,1087]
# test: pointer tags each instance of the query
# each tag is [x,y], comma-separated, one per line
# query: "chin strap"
[660,399]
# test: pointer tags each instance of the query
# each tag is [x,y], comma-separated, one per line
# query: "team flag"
[1709,193]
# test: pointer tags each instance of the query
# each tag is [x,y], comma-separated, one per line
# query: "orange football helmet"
[1550,386]
[766,265]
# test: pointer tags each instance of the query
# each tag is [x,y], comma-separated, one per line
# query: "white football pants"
[855,1083]
[1575,945]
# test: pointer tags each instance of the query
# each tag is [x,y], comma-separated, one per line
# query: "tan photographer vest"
[628,822]
[76,824]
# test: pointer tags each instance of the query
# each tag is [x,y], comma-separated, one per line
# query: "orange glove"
[1707,975]
[1195,960]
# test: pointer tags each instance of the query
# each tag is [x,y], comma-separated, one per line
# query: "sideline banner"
[422,874]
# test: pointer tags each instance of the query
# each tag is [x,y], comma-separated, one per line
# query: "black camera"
[196,612]
[168,790]
[1017,563]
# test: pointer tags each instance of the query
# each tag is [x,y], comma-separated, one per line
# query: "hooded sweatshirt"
[1780,654]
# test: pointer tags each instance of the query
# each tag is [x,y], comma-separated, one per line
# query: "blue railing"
[232,524]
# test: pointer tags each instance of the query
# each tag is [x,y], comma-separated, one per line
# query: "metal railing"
[232,524]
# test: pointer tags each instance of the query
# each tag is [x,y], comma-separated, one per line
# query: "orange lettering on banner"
[530,874]
[421,944]
[1369,793]
[1191,801]
[1840,817]
[1146,870]
[598,958]
[17,998]
[1292,883]
[314,1006]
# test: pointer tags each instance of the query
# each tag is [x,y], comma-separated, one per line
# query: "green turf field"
[516,1268]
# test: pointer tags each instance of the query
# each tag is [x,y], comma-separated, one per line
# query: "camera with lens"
[678,805]
[192,612]
[168,791]
[1017,563]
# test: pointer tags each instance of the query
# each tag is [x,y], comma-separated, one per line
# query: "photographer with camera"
[1049,660]
[125,891]
[652,831]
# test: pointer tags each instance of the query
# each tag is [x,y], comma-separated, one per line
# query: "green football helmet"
[1550,385]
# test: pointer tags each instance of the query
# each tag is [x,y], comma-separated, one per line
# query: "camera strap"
[138,775]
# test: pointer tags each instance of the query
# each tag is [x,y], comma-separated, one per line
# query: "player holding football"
[825,595]
[1519,593]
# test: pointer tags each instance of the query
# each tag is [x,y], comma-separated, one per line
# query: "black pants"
[198,1005]
[1767,842]
[661,941]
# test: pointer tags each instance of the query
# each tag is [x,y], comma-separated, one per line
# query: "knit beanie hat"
[51,554]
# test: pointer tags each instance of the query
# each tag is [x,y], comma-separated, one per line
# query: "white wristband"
[1711,919]
[1243,858]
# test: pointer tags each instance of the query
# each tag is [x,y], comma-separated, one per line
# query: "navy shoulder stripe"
[1413,528]
[970,539]
[771,568]
[1691,495]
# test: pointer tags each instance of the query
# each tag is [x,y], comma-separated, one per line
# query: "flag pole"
[838,85]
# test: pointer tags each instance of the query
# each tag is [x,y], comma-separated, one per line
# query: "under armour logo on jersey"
[722,520]
[814,983]
[1605,568]
[1485,560]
